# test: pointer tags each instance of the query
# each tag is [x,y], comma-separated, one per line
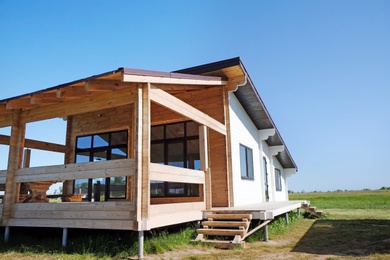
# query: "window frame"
[108,151]
[246,163]
[278,180]
[167,142]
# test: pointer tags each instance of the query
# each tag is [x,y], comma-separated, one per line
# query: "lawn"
[357,225]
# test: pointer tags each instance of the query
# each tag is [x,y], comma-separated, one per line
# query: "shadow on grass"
[346,237]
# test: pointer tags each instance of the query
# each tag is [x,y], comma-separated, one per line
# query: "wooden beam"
[138,158]
[6,119]
[160,172]
[14,163]
[165,99]
[204,164]
[20,103]
[104,85]
[82,105]
[71,92]
[228,141]
[145,151]
[4,110]
[45,98]
[34,144]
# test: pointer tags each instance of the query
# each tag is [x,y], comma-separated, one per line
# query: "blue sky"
[322,68]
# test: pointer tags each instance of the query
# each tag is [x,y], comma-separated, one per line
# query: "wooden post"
[14,163]
[266,233]
[64,236]
[228,138]
[204,163]
[145,151]
[140,244]
[26,158]
[67,186]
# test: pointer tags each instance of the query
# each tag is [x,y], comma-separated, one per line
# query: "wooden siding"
[100,215]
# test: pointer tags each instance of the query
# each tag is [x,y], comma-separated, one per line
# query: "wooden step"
[226,224]
[221,232]
[230,216]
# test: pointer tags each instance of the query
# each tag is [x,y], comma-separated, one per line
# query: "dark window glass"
[174,130]
[278,180]
[192,129]
[246,162]
[98,148]
[175,154]
[157,133]
[193,156]
[157,155]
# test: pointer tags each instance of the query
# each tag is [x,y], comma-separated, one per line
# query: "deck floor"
[263,211]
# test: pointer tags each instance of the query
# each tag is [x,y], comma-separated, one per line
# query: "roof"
[249,99]
[211,74]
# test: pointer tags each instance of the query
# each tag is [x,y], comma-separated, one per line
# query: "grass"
[357,225]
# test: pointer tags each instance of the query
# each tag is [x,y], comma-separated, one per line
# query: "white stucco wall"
[244,132]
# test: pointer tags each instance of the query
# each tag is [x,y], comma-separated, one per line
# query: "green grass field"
[357,225]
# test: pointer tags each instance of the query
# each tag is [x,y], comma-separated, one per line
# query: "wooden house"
[146,149]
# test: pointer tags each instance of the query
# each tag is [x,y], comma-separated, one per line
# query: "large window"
[101,147]
[278,180]
[246,162]
[175,145]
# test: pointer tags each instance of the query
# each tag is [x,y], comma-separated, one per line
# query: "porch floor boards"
[262,211]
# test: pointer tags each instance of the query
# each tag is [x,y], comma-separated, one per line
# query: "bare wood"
[221,232]
[71,223]
[6,119]
[257,228]
[20,103]
[97,85]
[71,92]
[160,172]
[113,168]
[14,163]
[172,80]
[229,157]
[75,206]
[145,151]
[26,158]
[226,224]
[34,144]
[3,109]
[82,105]
[45,98]
[171,200]
[67,186]
[165,99]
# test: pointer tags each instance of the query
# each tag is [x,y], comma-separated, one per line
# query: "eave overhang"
[250,100]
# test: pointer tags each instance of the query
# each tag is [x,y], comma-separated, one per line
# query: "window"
[175,145]
[278,180]
[246,161]
[96,148]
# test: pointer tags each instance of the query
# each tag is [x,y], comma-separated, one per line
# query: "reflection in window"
[99,148]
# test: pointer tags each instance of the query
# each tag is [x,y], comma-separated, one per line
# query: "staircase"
[312,210]
[221,225]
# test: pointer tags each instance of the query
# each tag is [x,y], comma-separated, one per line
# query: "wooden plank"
[169,200]
[175,208]
[71,92]
[70,223]
[160,172]
[82,105]
[112,168]
[221,232]
[6,119]
[75,215]
[172,218]
[20,103]
[226,224]
[99,85]
[165,99]
[172,80]
[76,206]
[230,216]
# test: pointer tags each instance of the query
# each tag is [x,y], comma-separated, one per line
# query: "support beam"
[204,163]
[266,233]
[266,133]
[14,163]
[165,99]
[274,150]
[145,151]
[34,144]
[286,216]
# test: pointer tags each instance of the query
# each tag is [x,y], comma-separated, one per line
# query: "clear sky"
[322,68]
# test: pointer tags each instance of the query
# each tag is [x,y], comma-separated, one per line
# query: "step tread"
[221,232]
[226,224]
[230,216]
